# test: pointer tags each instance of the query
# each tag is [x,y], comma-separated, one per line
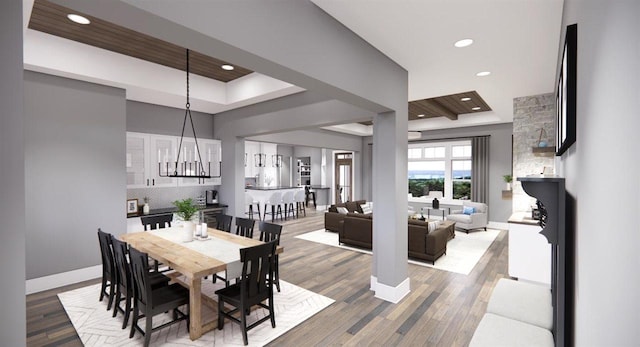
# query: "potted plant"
[186,212]
[507,179]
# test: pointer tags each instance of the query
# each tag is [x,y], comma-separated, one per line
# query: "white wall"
[601,172]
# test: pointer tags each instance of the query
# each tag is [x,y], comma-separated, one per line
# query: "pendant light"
[187,169]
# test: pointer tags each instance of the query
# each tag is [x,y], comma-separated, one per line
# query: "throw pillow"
[366,209]
[468,210]
[342,210]
[432,226]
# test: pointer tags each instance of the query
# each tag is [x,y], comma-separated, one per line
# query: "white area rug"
[463,251]
[96,327]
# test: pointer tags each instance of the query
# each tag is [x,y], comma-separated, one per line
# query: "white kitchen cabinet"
[210,154]
[144,152]
[148,155]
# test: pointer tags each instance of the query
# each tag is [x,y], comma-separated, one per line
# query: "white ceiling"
[517,40]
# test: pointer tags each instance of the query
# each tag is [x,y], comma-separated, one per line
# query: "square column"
[389,277]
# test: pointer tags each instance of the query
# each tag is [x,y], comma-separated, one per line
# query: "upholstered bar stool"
[288,201]
[250,201]
[299,198]
[275,201]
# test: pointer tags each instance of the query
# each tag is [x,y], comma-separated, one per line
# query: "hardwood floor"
[443,308]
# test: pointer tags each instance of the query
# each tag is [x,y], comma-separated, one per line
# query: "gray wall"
[12,201]
[601,172]
[156,119]
[499,161]
[75,171]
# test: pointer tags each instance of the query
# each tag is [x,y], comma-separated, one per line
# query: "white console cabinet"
[529,251]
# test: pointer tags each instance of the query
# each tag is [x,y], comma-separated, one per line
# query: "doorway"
[343,176]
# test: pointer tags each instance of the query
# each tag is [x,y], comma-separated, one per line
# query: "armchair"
[475,220]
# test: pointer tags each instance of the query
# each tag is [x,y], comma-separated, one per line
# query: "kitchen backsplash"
[163,197]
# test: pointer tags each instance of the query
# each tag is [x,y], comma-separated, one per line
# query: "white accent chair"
[476,220]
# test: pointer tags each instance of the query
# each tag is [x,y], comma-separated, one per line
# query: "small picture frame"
[132,206]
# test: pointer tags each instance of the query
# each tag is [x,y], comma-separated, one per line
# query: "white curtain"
[480,169]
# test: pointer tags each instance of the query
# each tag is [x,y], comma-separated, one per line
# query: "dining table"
[195,259]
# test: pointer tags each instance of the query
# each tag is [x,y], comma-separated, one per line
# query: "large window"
[440,166]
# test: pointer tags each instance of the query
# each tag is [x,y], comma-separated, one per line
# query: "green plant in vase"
[507,179]
[186,211]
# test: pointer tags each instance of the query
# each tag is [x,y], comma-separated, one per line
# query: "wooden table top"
[189,262]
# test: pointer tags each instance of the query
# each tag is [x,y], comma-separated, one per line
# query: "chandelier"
[187,168]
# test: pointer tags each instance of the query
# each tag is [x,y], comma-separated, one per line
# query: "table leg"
[195,308]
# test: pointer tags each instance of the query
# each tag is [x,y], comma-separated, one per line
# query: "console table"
[552,198]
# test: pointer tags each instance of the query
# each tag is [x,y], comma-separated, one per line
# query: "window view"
[442,166]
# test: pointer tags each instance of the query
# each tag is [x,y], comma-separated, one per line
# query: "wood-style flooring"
[443,308]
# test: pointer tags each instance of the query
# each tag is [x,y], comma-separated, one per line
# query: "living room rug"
[96,327]
[463,252]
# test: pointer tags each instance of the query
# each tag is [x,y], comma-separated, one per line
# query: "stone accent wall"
[530,114]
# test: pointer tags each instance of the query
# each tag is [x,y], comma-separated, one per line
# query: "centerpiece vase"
[189,228]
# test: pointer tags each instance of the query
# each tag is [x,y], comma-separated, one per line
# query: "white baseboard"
[389,293]
[40,284]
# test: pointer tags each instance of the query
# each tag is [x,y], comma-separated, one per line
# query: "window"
[415,153]
[440,166]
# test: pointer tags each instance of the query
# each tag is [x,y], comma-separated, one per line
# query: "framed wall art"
[566,92]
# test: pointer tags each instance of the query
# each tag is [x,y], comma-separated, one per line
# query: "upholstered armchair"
[472,219]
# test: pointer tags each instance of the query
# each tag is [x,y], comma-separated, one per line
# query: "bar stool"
[288,201]
[309,194]
[274,200]
[250,201]
[299,198]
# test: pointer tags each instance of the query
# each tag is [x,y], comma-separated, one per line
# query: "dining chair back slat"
[108,267]
[155,222]
[244,227]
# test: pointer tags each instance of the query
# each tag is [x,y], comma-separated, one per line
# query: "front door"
[343,176]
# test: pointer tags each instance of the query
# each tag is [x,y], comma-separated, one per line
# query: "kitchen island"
[262,194]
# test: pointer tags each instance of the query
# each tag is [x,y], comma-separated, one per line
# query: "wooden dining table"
[195,260]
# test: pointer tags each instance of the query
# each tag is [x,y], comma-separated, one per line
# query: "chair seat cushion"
[169,296]
[526,302]
[460,218]
[495,330]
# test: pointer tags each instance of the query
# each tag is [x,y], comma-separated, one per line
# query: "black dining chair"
[254,287]
[152,301]
[244,227]
[125,286]
[108,267]
[223,222]
[155,222]
[270,232]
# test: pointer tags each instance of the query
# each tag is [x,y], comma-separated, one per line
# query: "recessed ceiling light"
[227,67]
[76,18]
[483,73]
[463,43]
[465,99]
[476,108]
[420,116]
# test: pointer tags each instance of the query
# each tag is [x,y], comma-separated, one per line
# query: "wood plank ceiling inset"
[449,106]
[52,19]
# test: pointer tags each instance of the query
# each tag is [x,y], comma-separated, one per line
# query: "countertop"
[272,188]
[159,211]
